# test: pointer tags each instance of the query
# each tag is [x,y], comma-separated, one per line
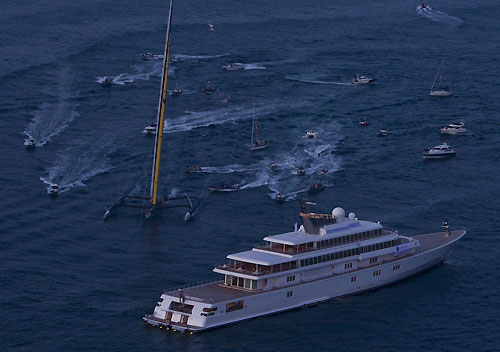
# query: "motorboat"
[454,128]
[211,26]
[148,56]
[225,187]
[177,91]
[423,6]
[175,60]
[360,79]
[383,133]
[107,82]
[438,152]
[311,134]
[233,67]
[151,129]
[363,123]
[194,168]
[30,142]
[323,172]
[54,189]
[273,166]
[280,197]
[315,188]
[300,171]
[208,89]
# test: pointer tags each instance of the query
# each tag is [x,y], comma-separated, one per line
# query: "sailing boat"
[439,92]
[153,201]
[256,144]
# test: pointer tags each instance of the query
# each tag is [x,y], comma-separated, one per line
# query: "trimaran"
[153,202]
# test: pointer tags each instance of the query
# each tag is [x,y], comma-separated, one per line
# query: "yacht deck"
[215,292]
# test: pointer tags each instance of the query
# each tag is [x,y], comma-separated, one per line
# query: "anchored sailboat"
[256,144]
[439,92]
[154,202]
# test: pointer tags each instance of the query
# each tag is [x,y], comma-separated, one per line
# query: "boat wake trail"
[315,81]
[50,120]
[439,16]
[200,119]
[198,57]
[254,66]
[317,157]
[76,165]
[142,72]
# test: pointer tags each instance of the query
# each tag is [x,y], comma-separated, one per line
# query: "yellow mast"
[161,114]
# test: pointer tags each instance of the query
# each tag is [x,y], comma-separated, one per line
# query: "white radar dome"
[352,216]
[339,214]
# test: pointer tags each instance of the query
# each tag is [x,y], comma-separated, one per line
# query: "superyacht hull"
[215,305]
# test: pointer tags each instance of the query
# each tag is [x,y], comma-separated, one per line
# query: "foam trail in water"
[438,16]
[142,72]
[221,116]
[76,165]
[316,81]
[198,57]
[255,66]
[50,120]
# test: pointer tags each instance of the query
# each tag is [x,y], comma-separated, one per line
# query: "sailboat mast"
[253,123]
[161,113]
[256,124]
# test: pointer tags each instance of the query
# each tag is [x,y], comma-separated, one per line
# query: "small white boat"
[311,134]
[30,142]
[439,92]
[280,197]
[360,79]
[363,123]
[383,133]
[225,187]
[300,171]
[454,128]
[211,26]
[148,56]
[151,129]
[208,89]
[439,152]
[233,67]
[177,91]
[54,189]
[175,60]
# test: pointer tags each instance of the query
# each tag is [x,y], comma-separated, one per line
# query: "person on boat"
[423,5]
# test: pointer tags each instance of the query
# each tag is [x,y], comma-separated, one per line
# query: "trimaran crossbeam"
[154,202]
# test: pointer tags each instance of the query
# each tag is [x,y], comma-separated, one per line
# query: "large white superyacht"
[329,256]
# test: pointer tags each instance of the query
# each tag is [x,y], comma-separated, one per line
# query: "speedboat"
[107,82]
[273,166]
[300,171]
[311,134]
[438,152]
[148,56]
[175,60]
[383,133]
[54,189]
[280,197]
[30,142]
[233,67]
[208,89]
[454,128]
[360,79]
[177,91]
[194,168]
[363,123]
[315,188]
[224,187]
[151,129]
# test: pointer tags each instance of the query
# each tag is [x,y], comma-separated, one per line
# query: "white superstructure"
[328,256]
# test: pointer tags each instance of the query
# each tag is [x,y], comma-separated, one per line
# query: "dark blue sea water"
[70,281]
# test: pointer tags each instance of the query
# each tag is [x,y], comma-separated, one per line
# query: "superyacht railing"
[199,283]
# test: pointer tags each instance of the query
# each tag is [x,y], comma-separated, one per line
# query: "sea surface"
[71,281]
